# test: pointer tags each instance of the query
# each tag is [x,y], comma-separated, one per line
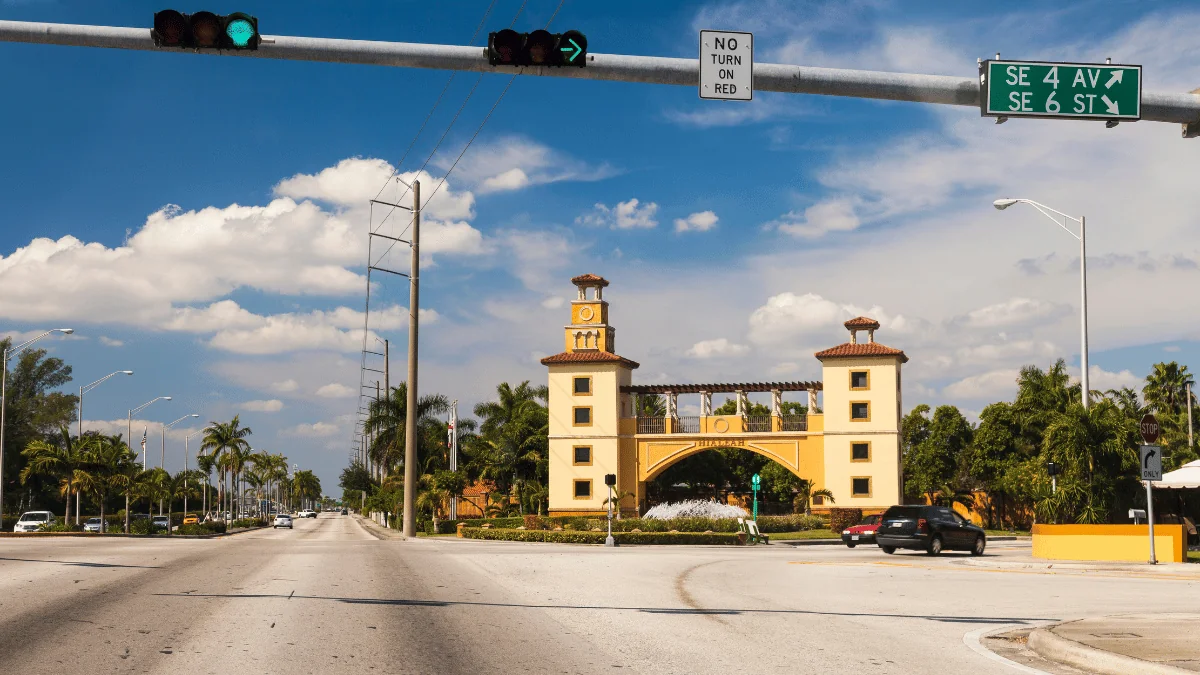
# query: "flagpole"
[453,431]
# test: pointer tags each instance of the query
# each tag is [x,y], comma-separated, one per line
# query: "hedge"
[216,527]
[766,524]
[841,518]
[247,522]
[589,537]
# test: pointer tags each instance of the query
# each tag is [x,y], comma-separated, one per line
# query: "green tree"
[58,460]
[227,441]
[34,411]
[512,447]
[933,463]
[1097,452]
[1166,395]
[386,421]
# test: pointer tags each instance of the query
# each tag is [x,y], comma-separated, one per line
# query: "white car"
[33,521]
[283,520]
[94,525]
[307,514]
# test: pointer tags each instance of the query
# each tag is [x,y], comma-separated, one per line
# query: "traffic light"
[539,48]
[205,30]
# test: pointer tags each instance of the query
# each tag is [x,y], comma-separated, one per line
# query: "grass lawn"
[1007,533]
[807,534]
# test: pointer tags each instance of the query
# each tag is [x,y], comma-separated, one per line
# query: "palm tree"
[386,419]
[58,461]
[155,486]
[205,464]
[806,494]
[130,480]
[651,405]
[1095,448]
[223,438]
[306,486]
[103,461]
[1166,389]
[512,446]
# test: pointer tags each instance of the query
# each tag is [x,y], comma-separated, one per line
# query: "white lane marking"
[971,640]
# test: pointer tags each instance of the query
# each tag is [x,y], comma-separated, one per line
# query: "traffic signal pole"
[1178,108]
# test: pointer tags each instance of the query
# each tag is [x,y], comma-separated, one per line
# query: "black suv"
[932,529]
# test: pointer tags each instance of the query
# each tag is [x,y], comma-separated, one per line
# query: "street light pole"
[83,390]
[129,425]
[8,354]
[163,463]
[1002,204]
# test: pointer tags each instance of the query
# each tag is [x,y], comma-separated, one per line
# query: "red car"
[862,533]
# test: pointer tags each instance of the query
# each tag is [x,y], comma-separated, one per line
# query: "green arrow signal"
[574,47]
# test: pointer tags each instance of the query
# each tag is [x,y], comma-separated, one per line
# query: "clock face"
[586,315]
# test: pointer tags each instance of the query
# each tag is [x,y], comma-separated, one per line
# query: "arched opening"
[724,474]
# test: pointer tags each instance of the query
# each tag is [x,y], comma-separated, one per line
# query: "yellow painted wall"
[602,435]
[1126,543]
[883,469]
[882,394]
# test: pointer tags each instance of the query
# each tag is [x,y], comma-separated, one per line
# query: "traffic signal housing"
[205,30]
[539,48]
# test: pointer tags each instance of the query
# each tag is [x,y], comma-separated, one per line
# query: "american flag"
[144,432]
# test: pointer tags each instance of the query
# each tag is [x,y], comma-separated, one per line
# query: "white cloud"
[314,430]
[1012,312]
[110,342]
[152,429]
[702,221]
[1103,380]
[273,405]
[834,215]
[995,385]
[626,215]
[554,302]
[709,114]
[1171,348]
[335,390]
[284,387]
[721,347]
[514,162]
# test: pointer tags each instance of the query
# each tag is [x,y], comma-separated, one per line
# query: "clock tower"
[589,329]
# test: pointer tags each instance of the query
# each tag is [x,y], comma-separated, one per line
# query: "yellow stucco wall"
[1126,543]
[882,394]
[883,469]
[602,435]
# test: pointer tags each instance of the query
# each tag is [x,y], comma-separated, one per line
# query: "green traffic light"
[240,32]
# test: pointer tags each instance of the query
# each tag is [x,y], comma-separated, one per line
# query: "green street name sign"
[1060,90]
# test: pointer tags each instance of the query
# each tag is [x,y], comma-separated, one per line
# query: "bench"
[750,529]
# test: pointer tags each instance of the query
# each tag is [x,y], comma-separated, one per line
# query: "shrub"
[533,522]
[60,527]
[246,522]
[494,522]
[795,523]
[841,518]
[203,528]
[144,526]
[588,537]
[443,526]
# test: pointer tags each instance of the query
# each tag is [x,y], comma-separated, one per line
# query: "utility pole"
[410,418]
[454,454]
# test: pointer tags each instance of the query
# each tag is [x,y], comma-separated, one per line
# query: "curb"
[113,535]
[1057,648]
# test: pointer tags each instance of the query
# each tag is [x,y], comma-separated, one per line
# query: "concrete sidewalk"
[1121,644]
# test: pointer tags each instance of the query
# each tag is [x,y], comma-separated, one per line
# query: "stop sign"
[1149,428]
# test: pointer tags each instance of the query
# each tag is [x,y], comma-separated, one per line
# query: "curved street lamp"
[8,354]
[162,464]
[129,423]
[1050,213]
[88,387]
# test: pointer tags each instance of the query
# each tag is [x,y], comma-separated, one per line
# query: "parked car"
[343,512]
[32,521]
[161,521]
[862,533]
[282,520]
[932,529]
[191,519]
[94,525]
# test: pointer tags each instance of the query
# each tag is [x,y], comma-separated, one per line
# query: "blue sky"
[798,211]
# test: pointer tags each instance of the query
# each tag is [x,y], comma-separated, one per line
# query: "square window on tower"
[860,411]
[583,386]
[583,416]
[859,379]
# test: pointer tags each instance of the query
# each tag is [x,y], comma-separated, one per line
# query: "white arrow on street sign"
[1150,460]
[1115,78]
[726,65]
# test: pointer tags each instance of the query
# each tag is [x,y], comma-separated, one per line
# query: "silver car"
[282,520]
[94,525]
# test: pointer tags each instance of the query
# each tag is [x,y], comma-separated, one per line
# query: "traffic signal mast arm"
[1178,108]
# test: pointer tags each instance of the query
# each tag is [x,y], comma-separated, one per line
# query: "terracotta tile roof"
[862,322]
[589,357]
[849,350]
[589,279]
[479,489]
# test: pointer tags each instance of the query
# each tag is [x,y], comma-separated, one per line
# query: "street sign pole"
[755,482]
[1150,461]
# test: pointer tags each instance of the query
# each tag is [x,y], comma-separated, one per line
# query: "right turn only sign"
[1150,458]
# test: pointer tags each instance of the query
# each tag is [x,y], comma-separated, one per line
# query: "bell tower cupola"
[589,330]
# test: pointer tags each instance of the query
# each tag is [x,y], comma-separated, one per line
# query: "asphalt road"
[328,597]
